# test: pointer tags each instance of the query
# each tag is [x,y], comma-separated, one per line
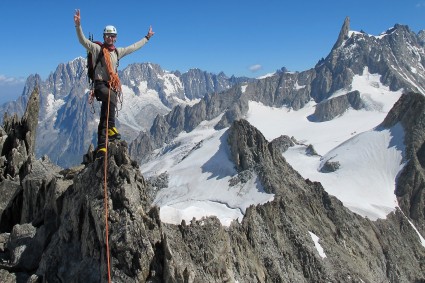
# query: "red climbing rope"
[105,189]
[115,85]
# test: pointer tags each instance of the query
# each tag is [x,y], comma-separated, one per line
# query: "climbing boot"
[113,134]
[100,152]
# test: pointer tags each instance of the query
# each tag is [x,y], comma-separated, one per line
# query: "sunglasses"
[110,35]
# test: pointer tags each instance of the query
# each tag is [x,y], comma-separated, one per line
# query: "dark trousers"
[102,91]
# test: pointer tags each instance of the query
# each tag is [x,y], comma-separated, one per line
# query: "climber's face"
[109,38]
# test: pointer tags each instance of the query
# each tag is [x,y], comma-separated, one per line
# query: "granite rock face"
[60,234]
[331,108]
[409,111]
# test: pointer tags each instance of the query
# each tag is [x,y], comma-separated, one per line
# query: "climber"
[107,86]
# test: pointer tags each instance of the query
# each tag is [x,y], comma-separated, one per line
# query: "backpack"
[91,66]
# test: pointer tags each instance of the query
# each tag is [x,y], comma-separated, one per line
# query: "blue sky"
[241,38]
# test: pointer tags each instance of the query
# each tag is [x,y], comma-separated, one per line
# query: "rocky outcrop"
[133,225]
[282,89]
[18,140]
[231,103]
[284,142]
[334,107]
[61,234]
[410,188]
[359,246]
[330,166]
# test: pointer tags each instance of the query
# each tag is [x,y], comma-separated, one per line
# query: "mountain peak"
[343,34]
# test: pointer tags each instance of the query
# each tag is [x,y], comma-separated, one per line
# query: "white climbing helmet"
[110,29]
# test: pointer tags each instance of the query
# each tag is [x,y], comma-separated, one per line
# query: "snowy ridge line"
[204,201]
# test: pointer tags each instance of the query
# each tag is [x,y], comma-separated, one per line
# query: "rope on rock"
[114,85]
[105,190]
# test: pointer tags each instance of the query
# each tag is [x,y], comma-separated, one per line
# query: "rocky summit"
[54,220]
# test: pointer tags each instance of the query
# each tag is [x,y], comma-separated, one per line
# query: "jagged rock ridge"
[167,127]
[60,234]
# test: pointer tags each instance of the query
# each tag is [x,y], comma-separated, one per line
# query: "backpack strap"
[118,60]
[99,57]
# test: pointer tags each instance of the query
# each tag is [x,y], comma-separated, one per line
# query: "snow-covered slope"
[135,107]
[199,173]
[370,159]
[369,164]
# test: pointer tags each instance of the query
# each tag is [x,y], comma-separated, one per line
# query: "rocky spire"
[30,120]
[18,140]
[25,129]
[343,34]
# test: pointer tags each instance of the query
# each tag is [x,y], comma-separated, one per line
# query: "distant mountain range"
[67,124]
[397,56]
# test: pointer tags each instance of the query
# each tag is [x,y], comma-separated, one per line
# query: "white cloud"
[420,4]
[4,80]
[10,88]
[255,68]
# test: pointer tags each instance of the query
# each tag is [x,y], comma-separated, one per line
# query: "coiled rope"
[114,80]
